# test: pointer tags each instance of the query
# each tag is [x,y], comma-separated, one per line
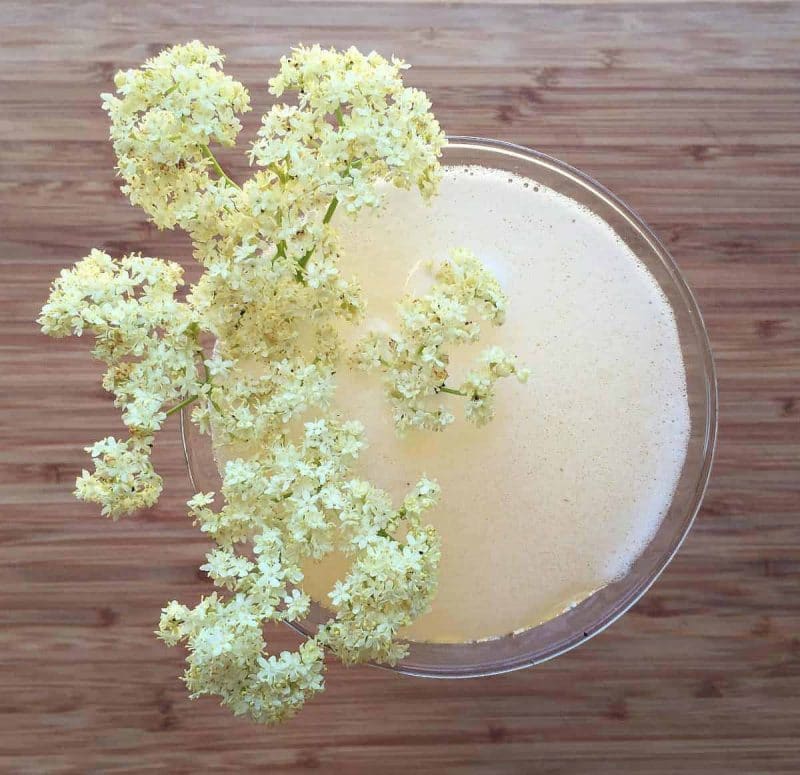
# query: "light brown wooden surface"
[690,112]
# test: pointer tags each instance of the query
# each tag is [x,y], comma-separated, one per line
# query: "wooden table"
[690,112]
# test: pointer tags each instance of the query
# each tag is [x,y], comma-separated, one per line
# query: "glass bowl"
[599,610]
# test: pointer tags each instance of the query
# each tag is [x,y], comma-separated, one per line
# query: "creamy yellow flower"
[166,115]
[389,585]
[124,480]
[273,298]
[414,360]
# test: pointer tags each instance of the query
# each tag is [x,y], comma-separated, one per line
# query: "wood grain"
[690,112]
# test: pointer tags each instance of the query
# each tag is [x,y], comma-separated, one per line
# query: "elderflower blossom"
[169,111]
[384,130]
[290,503]
[227,657]
[273,297]
[123,480]
[308,494]
[415,359]
[253,408]
[291,488]
[146,337]
[389,585]
[478,387]
[227,651]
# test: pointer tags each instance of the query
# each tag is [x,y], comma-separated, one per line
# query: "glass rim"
[409,666]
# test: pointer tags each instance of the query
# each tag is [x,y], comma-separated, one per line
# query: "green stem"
[178,407]
[330,211]
[445,389]
[304,259]
[282,176]
[206,151]
[301,265]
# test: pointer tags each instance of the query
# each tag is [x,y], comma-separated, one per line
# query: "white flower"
[227,658]
[148,339]
[167,114]
[415,358]
[124,480]
[273,298]
[297,605]
[218,367]
[389,585]
[478,387]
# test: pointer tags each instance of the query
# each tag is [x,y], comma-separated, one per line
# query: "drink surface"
[559,494]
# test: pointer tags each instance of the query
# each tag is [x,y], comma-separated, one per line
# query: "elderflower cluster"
[145,336]
[354,125]
[272,297]
[415,359]
[124,480]
[307,493]
[227,650]
[389,585]
[167,114]
[383,129]
[252,409]
[149,341]
[300,501]
[478,387]
[227,658]
[288,486]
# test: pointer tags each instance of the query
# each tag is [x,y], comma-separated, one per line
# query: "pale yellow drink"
[563,489]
